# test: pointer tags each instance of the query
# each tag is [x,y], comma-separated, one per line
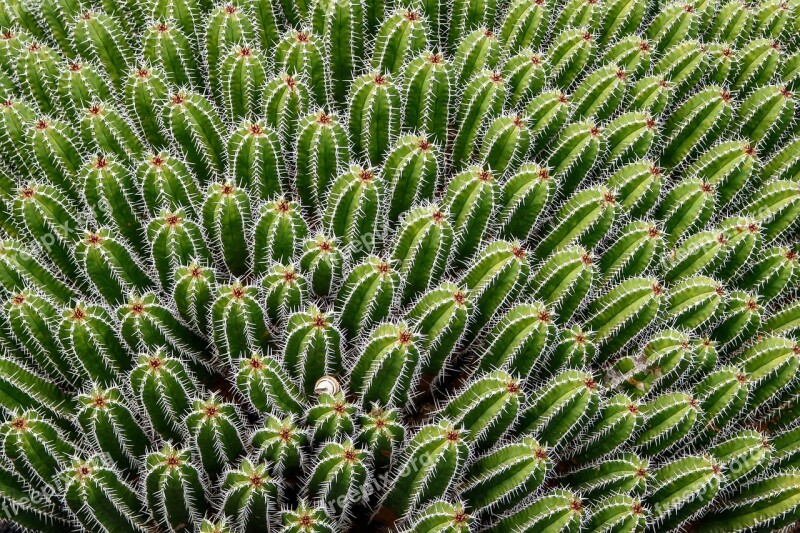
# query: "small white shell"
[327,385]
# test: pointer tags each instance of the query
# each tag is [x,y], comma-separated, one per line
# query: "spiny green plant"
[417,266]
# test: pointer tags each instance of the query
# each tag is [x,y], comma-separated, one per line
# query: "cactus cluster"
[418,266]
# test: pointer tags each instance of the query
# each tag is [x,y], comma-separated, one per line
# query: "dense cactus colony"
[356,265]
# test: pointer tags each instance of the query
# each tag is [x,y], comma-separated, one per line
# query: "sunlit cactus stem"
[440,317]
[497,275]
[366,296]
[250,497]
[38,451]
[145,93]
[410,173]
[226,213]
[98,496]
[560,506]
[89,338]
[196,127]
[387,368]
[239,322]
[301,53]
[279,230]
[175,491]
[519,339]
[340,25]
[419,481]
[313,347]
[337,478]
[163,389]
[322,149]
[213,428]
[256,160]
[424,241]
[427,94]
[374,114]
[107,416]
[354,213]
[322,261]
[282,443]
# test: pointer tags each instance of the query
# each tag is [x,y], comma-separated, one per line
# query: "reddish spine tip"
[657,289]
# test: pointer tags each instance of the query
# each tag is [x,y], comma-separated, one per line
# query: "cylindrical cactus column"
[281,442]
[322,149]
[767,502]
[56,153]
[422,249]
[563,281]
[340,24]
[497,275]
[285,99]
[195,127]
[213,428]
[97,495]
[239,323]
[519,339]
[32,320]
[497,481]
[683,487]
[429,466]
[226,214]
[227,25]
[387,367]
[167,183]
[557,410]
[622,312]
[524,198]
[354,211]
[366,296]
[323,263]
[382,432]
[267,385]
[175,240]
[337,479]
[257,163]
[427,95]
[470,200]
[250,497]
[242,75]
[331,418]
[147,324]
[300,53]
[99,37]
[482,100]
[401,36]
[410,173]
[285,290]
[440,317]
[175,492]
[279,229]
[37,450]
[89,338]
[145,93]
[486,408]
[166,46]
[374,111]
[163,389]
[313,347]
[556,508]
[106,415]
